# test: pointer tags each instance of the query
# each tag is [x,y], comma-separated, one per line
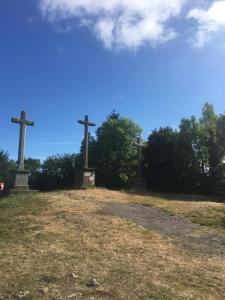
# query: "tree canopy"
[5,166]
[113,151]
[189,159]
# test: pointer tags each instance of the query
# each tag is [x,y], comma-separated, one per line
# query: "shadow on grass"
[3,194]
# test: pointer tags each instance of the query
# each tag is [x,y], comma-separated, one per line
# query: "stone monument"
[139,182]
[86,176]
[20,175]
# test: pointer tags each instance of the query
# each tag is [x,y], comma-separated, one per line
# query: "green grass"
[16,212]
[18,227]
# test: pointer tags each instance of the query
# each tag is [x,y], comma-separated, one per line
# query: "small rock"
[43,290]
[92,283]
[75,295]
[23,294]
[75,276]
[72,295]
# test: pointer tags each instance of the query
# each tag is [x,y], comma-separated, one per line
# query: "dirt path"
[182,232]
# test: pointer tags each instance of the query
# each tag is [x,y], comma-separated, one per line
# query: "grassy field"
[53,244]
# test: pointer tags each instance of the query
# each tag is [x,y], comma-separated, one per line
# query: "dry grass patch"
[206,213]
[127,261]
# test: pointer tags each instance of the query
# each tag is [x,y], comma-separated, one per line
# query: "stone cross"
[139,145]
[23,123]
[86,123]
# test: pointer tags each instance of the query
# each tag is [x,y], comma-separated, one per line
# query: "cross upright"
[86,123]
[140,146]
[23,123]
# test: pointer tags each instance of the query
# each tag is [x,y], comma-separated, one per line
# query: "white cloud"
[210,21]
[120,24]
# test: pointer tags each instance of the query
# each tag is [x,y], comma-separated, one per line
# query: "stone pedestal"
[139,184]
[20,180]
[85,178]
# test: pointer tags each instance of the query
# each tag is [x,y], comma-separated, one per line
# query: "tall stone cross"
[23,123]
[86,123]
[140,146]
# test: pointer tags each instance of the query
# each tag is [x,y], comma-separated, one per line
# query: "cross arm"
[91,124]
[16,120]
[29,123]
[20,121]
[82,122]
[86,123]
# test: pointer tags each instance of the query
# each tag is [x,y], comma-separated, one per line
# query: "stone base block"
[84,178]
[20,180]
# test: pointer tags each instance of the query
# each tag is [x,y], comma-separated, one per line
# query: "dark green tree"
[5,166]
[32,164]
[213,140]
[191,159]
[161,156]
[113,153]
[191,155]
[56,172]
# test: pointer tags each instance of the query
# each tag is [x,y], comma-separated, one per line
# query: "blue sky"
[60,60]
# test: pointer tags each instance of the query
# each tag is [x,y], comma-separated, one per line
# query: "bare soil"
[182,232]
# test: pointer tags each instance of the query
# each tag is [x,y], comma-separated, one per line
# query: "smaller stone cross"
[86,123]
[140,146]
[23,123]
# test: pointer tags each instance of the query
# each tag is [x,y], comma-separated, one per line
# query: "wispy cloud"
[117,97]
[31,19]
[211,21]
[129,24]
[119,23]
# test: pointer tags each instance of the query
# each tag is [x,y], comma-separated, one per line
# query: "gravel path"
[182,232]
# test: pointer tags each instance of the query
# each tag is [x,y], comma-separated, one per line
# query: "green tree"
[5,166]
[56,172]
[187,149]
[32,164]
[212,137]
[161,156]
[113,153]
[191,159]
